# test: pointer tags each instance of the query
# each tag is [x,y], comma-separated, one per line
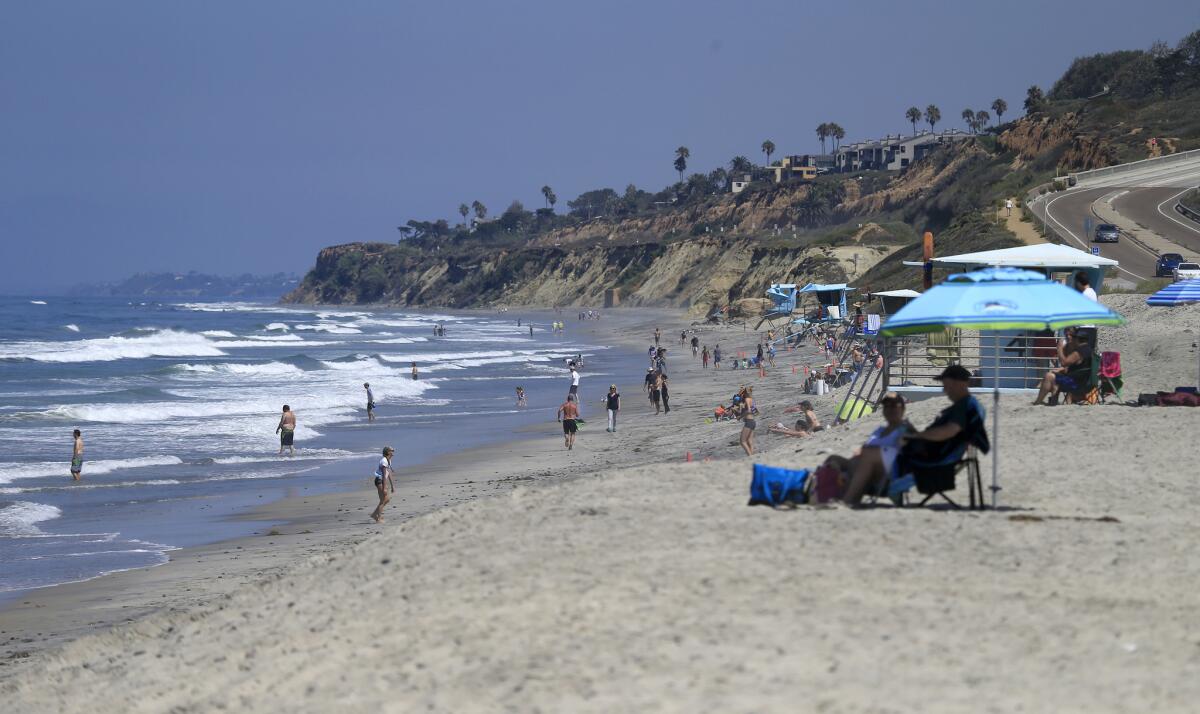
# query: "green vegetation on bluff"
[1105,109]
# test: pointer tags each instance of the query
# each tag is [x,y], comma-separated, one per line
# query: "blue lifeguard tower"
[831,301]
[783,303]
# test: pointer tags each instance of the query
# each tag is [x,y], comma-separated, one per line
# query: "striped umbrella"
[1179,293]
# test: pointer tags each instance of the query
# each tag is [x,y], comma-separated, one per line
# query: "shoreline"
[294,529]
[619,577]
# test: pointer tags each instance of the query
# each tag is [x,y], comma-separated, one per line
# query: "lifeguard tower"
[831,301]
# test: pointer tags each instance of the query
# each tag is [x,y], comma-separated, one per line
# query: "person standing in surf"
[384,484]
[414,372]
[574,390]
[77,456]
[370,402]
[287,431]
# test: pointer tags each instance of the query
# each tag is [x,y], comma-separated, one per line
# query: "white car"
[1186,271]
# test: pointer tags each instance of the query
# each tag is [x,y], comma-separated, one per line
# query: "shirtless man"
[77,457]
[567,414]
[287,431]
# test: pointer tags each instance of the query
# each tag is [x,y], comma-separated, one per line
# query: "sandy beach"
[619,576]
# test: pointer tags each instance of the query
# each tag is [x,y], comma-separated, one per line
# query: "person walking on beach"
[695,346]
[531,329]
[717,357]
[749,424]
[370,402]
[414,372]
[657,336]
[567,414]
[704,357]
[287,431]
[384,484]
[521,403]
[612,401]
[77,456]
[574,390]
[665,391]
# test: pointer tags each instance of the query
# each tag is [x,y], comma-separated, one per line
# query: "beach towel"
[773,486]
[873,323]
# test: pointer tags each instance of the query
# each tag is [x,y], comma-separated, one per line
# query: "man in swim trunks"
[77,456]
[287,431]
[567,414]
[370,402]
[383,480]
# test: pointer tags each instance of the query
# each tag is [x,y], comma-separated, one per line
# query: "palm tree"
[838,133]
[823,134]
[913,115]
[933,115]
[999,106]
[548,194]
[969,117]
[981,119]
[681,156]
[463,210]
[768,148]
[740,166]
[480,210]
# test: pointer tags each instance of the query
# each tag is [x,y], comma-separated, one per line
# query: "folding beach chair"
[936,480]
[1110,375]
[1090,392]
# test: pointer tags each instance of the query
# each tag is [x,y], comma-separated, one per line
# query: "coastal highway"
[1143,197]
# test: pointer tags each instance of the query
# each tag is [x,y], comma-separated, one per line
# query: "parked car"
[1165,268]
[1187,271]
[1106,233]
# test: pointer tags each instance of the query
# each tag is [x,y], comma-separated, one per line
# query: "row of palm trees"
[975,120]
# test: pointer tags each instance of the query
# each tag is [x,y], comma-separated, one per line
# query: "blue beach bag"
[772,485]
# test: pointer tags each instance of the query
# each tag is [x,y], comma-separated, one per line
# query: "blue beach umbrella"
[1180,293]
[998,299]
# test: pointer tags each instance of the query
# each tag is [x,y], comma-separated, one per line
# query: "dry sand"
[590,584]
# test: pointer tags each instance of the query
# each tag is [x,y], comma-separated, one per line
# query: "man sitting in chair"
[1075,358]
[931,455]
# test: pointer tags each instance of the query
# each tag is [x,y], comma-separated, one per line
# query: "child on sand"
[521,403]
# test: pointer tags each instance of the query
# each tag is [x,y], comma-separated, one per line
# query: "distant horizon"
[234,138]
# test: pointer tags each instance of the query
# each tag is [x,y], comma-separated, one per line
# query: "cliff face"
[1061,138]
[696,273]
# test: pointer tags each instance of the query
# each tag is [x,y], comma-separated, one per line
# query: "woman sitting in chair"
[1075,358]
[873,466]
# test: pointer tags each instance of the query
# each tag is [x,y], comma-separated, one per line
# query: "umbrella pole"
[995,425]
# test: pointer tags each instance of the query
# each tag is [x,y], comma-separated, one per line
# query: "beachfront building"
[893,153]
[737,186]
[791,168]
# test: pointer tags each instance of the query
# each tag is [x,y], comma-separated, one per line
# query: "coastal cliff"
[696,273]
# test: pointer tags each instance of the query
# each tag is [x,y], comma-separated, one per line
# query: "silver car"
[1106,233]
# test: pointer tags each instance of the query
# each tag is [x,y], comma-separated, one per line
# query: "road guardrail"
[1074,179]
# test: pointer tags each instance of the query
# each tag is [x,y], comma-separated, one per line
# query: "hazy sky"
[244,136]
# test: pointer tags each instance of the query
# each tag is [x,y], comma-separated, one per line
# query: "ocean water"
[178,404]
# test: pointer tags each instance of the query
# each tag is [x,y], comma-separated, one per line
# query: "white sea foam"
[269,369]
[37,302]
[10,471]
[20,518]
[218,333]
[332,328]
[277,326]
[72,328]
[159,343]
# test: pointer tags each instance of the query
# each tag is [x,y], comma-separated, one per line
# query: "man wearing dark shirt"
[1075,371]
[958,424]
